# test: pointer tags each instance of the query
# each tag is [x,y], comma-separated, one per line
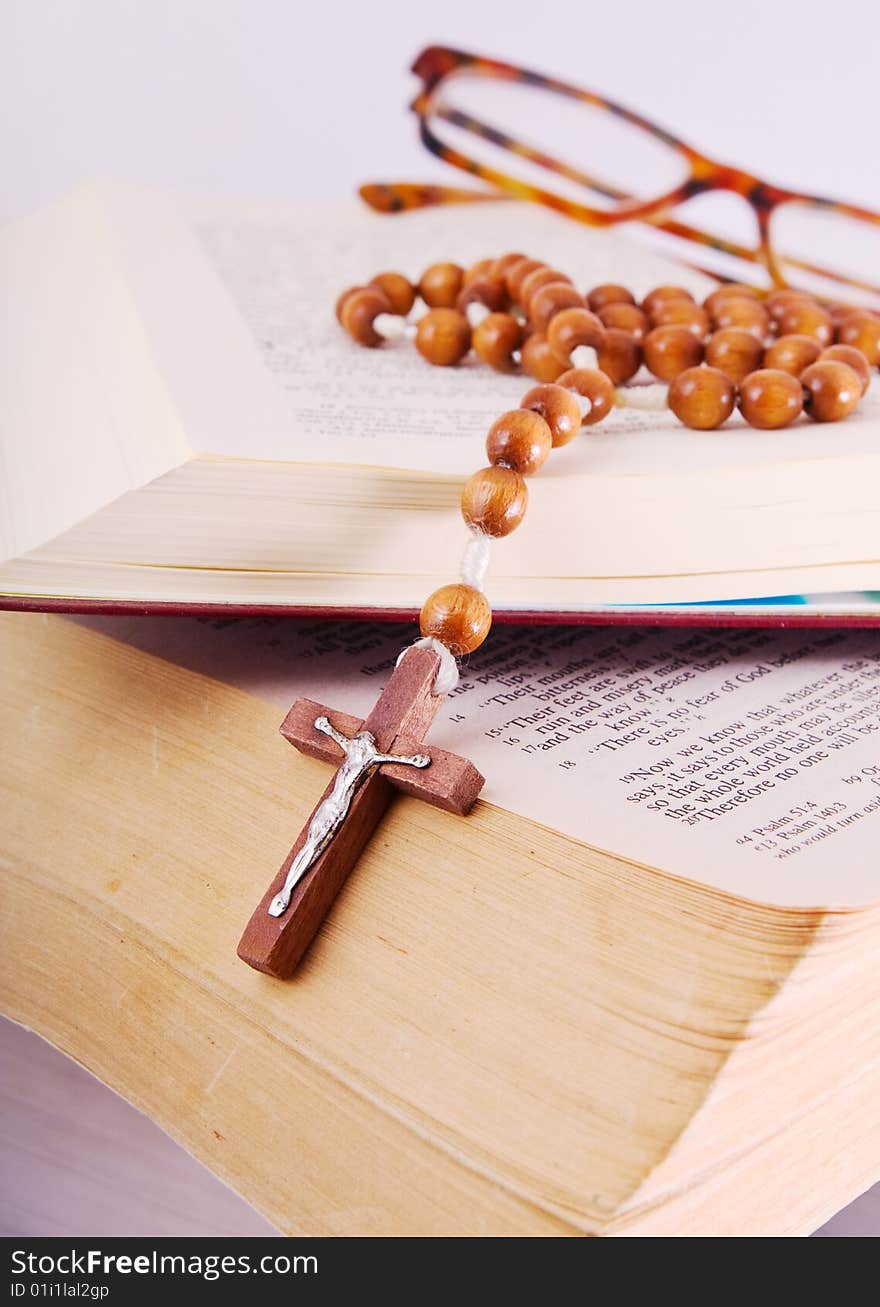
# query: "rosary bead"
[485,290]
[535,280]
[517,273]
[440,285]
[570,328]
[736,289]
[683,312]
[559,409]
[778,301]
[734,351]
[702,398]
[624,317]
[359,310]
[502,266]
[343,299]
[854,357]
[671,349]
[401,292]
[660,294]
[494,501]
[831,390]
[619,355]
[862,330]
[482,268]
[770,398]
[600,297]
[495,339]
[552,299]
[520,439]
[742,311]
[792,353]
[458,616]
[443,337]
[538,359]
[595,386]
[806,318]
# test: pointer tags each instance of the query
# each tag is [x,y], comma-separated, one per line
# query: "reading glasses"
[532,137]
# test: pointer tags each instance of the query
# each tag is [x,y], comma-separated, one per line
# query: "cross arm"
[299,729]
[450,782]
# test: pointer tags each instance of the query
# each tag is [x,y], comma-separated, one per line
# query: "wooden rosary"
[773,357]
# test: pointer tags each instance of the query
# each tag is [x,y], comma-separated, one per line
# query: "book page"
[283,268]
[237,301]
[84,413]
[746,760]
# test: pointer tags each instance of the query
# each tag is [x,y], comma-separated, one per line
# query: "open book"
[185,424]
[634,992]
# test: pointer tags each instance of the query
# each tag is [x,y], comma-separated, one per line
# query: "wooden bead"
[502,266]
[792,353]
[359,311]
[863,331]
[734,351]
[570,328]
[482,268]
[742,311]
[552,299]
[595,386]
[852,356]
[669,350]
[485,290]
[778,301]
[619,355]
[770,398]
[806,319]
[343,298]
[400,291]
[494,501]
[440,285]
[517,273]
[840,312]
[520,439]
[660,294]
[559,409]
[443,337]
[600,297]
[683,312]
[535,280]
[458,616]
[702,398]
[831,390]
[538,359]
[625,317]
[736,289]
[495,339]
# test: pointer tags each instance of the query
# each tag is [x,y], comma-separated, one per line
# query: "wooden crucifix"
[374,758]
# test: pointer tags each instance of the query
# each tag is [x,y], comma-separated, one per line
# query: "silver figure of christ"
[361,756]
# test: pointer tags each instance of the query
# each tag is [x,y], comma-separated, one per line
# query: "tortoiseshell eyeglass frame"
[438,63]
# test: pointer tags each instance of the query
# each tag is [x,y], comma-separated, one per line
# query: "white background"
[281,99]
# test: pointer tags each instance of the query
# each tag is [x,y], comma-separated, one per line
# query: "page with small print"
[746,760]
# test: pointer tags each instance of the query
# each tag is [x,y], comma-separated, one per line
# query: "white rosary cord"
[474,566]
[650,398]
[584,356]
[446,678]
[393,327]
[475,560]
